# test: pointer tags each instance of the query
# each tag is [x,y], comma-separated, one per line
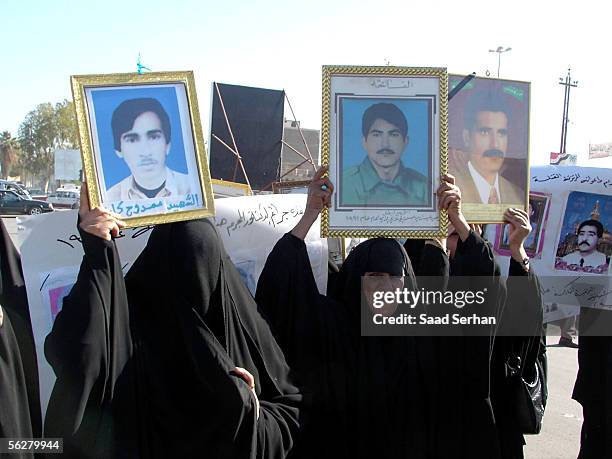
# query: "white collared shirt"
[176,184]
[593,259]
[483,187]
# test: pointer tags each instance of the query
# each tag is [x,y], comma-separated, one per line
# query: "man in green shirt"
[381,179]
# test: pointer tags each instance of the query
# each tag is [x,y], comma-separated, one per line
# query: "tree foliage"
[45,129]
[9,155]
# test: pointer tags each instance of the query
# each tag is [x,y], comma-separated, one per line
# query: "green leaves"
[45,129]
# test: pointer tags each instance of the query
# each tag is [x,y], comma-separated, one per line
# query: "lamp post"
[569,84]
[500,50]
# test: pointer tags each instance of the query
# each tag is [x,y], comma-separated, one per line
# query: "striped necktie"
[493,198]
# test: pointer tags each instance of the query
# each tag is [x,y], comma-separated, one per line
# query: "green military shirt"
[361,186]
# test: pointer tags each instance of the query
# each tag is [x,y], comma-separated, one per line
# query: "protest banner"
[576,195]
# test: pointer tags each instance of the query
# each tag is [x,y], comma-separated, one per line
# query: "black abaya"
[19,397]
[152,377]
[368,391]
[93,403]
[593,388]
[194,320]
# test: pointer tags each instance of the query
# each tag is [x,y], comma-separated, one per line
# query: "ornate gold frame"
[80,83]
[243,187]
[383,71]
[278,187]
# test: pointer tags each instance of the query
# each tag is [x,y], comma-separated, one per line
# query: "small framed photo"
[384,137]
[488,146]
[585,237]
[142,146]
[299,186]
[539,205]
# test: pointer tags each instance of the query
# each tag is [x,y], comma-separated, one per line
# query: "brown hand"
[519,226]
[320,190]
[98,222]
[248,378]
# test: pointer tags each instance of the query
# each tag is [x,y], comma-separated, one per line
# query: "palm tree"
[9,154]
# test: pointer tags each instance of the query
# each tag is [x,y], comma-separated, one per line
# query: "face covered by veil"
[387,408]
[194,321]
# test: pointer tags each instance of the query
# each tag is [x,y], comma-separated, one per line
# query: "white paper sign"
[577,194]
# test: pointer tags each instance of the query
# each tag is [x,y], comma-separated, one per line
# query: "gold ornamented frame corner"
[79,85]
[441,73]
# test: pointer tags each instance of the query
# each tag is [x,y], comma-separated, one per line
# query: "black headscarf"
[19,395]
[194,320]
[387,369]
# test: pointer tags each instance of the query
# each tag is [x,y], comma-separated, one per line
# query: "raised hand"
[519,226]
[319,197]
[99,221]
[319,192]
[449,199]
[519,229]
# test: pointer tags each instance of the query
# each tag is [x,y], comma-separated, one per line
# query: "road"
[560,436]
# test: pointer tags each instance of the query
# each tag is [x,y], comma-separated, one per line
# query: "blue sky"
[282,45]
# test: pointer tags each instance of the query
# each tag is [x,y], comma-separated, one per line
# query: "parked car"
[37,193]
[12,203]
[16,187]
[65,198]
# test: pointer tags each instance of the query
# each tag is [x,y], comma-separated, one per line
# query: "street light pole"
[500,50]
[568,83]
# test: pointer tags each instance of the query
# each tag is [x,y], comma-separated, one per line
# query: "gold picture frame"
[146,127]
[227,189]
[290,187]
[413,103]
[507,102]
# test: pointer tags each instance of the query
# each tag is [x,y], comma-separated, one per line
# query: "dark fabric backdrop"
[256,118]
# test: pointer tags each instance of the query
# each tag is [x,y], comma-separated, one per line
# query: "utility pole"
[568,83]
[500,50]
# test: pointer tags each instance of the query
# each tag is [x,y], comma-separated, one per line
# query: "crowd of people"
[177,359]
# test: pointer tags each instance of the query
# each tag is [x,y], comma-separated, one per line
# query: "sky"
[283,44]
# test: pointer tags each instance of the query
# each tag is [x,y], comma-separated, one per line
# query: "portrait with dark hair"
[488,146]
[143,152]
[384,140]
[141,135]
[385,153]
[584,238]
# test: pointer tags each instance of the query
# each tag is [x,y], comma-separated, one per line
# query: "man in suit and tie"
[485,136]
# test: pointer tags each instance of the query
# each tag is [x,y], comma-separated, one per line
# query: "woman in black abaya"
[194,321]
[19,398]
[178,365]
[368,392]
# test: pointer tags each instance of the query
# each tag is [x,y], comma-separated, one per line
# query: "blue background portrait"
[578,209]
[104,104]
[416,155]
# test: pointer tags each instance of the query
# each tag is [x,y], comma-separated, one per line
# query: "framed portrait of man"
[142,146]
[585,239]
[383,138]
[539,205]
[488,146]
